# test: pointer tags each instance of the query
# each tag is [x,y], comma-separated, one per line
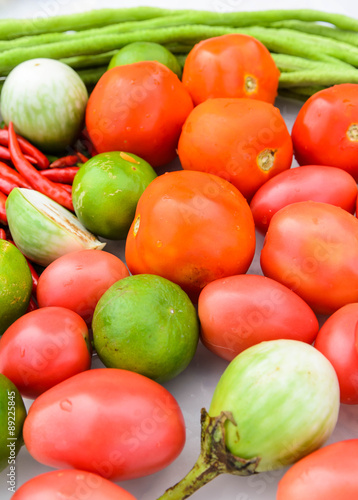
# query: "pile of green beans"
[309,54]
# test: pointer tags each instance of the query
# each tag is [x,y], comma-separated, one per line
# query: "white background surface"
[194,388]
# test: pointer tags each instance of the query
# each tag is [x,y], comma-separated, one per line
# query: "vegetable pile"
[86,161]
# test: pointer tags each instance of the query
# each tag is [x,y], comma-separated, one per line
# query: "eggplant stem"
[214,459]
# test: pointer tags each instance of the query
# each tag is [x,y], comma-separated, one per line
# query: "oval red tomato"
[325,131]
[312,248]
[115,423]
[78,280]
[139,108]
[337,341]
[191,228]
[70,484]
[242,140]
[240,311]
[44,347]
[329,473]
[312,182]
[233,65]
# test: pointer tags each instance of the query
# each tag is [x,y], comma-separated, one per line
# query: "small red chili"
[3,218]
[65,161]
[10,174]
[27,148]
[33,176]
[65,175]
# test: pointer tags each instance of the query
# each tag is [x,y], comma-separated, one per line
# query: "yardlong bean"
[13,28]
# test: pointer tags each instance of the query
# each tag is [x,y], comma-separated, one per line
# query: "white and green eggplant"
[275,403]
[44,230]
[46,101]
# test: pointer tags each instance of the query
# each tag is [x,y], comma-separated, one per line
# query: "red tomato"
[78,280]
[326,474]
[70,484]
[233,65]
[244,141]
[325,131]
[241,311]
[191,228]
[313,182]
[312,248]
[44,347]
[112,422]
[139,108]
[337,341]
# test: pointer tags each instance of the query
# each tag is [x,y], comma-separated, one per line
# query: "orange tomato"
[242,140]
[191,228]
[139,108]
[232,65]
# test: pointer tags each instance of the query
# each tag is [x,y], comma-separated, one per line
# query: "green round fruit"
[145,51]
[106,191]
[12,416]
[146,324]
[15,284]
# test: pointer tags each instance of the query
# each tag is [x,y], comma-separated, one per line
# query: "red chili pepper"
[5,155]
[34,275]
[3,218]
[32,306]
[27,148]
[66,187]
[65,161]
[33,176]
[65,175]
[81,157]
[7,186]
[2,234]
[10,174]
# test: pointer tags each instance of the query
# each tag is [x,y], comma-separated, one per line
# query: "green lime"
[12,416]
[15,284]
[145,51]
[146,324]
[106,191]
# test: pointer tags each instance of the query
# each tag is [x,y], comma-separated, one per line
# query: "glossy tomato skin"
[78,280]
[337,341]
[242,140]
[115,423]
[44,347]
[191,228]
[240,311]
[325,129]
[312,248]
[72,484]
[312,182]
[138,108]
[329,473]
[233,65]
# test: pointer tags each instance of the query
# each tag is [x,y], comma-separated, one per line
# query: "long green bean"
[285,41]
[311,77]
[286,62]
[13,28]
[318,29]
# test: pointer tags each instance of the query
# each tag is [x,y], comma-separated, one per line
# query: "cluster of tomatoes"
[196,226]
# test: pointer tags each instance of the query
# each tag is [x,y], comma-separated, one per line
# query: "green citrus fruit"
[106,191]
[12,416]
[146,324]
[145,51]
[15,284]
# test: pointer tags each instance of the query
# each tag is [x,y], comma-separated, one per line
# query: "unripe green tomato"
[46,101]
[145,51]
[284,398]
[12,417]
[106,190]
[15,284]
